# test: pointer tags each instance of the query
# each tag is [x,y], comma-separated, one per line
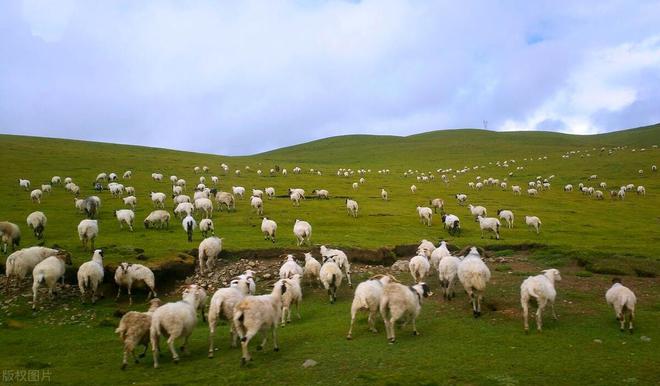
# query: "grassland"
[603,236]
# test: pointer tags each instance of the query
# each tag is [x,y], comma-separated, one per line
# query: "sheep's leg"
[525,306]
[392,336]
[539,313]
[552,307]
[184,346]
[35,290]
[234,335]
[212,324]
[124,363]
[630,322]
[263,342]
[130,296]
[170,344]
[284,309]
[276,347]
[155,348]
[372,320]
[619,316]
[414,326]
[118,292]
[354,309]
[297,310]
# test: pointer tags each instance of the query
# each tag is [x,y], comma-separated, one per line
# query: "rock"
[400,266]
[267,276]
[644,338]
[598,341]
[309,363]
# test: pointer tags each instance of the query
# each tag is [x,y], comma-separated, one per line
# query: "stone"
[309,363]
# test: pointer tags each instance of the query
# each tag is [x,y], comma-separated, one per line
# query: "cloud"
[247,76]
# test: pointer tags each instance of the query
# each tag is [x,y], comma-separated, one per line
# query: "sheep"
[56,180]
[176,190]
[127,275]
[623,300]
[257,204]
[133,330]
[90,275]
[25,184]
[37,222]
[542,288]
[87,232]
[474,274]
[367,297]
[238,191]
[425,215]
[331,277]
[205,206]
[101,177]
[452,223]
[568,188]
[158,199]
[383,194]
[598,195]
[157,177]
[295,198]
[91,206]
[461,198]
[426,248]
[206,227]
[46,188]
[340,258]
[160,218]
[654,168]
[68,180]
[641,190]
[419,267]
[175,320]
[621,194]
[303,232]
[532,192]
[270,192]
[208,251]
[258,313]
[516,190]
[312,268]
[125,216]
[23,261]
[35,195]
[189,224]
[413,189]
[258,193]
[130,201]
[490,224]
[437,203]
[506,215]
[355,186]
[225,199]
[49,271]
[534,222]
[222,306]
[184,209]
[268,228]
[477,211]
[398,301]
[437,254]
[447,275]
[249,276]
[352,207]
[290,268]
[292,295]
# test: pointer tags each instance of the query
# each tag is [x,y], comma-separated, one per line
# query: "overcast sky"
[248,76]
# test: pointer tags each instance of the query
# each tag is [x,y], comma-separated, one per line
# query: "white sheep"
[175,320]
[413,189]
[532,192]
[46,188]
[447,275]
[270,192]
[568,188]
[238,191]
[383,194]
[426,248]
[56,180]
[331,276]
[340,258]
[290,268]
[204,206]
[127,275]
[516,190]
[477,211]
[189,224]
[534,222]
[398,301]
[49,271]
[37,222]
[474,274]
[352,207]
[159,218]
[292,296]
[437,254]
[257,204]
[623,300]
[303,232]
[452,223]
[158,199]
[419,267]
[35,195]
[490,224]
[507,215]
[461,198]
[268,228]
[249,276]
[257,314]
[355,186]
[295,198]
[367,297]
[641,190]
[437,203]
[184,209]
[222,306]
[208,251]
[125,216]
[425,215]
[25,184]
[206,227]
[133,330]
[90,275]
[312,268]
[542,288]
[23,261]
[130,201]
[87,232]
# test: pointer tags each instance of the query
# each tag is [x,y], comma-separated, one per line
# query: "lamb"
[268,228]
[532,192]
[474,274]
[209,249]
[506,215]
[125,216]
[352,207]
[270,192]
[303,232]
[413,189]
[290,268]
[35,195]
[130,201]
[534,222]
[23,261]
[222,306]
[25,184]
[437,254]
[56,180]
[206,227]
[189,224]
[542,288]
[37,222]
[133,330]
[477,211]
[225,199]
[295,198]
[419,267]
[292,295]
[204,206]
[312,268]
[127,175]
[398,301]
[49,271]
[623,300]
[91,206]
[90,275]
[257,204]
[87,232]
[452,223]
[383,194]
[641,190]
[426,248]
[258,313]
[367,297]
[175,320]
[46,188]
[331,276]
[447,274]
[461,198]
[437,203]
[238,191]
[490,224]
[425,215]
[516,190]
[158,199]
[340,258]
[160,218]
[184,209]
[127,275]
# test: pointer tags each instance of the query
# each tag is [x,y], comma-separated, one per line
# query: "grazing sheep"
[516,190]
[474,274]
[452,223]
[534,222]
[355,186]
[290,268]
[56,180]
[268,228]
[461,198]
[598,195]
[238,191]
[532,192]
[206,227]
[425,215]
[623,300]
[413,189]
[641,190]
[270,192]
[490,224]
[447,274]
[437,254]
[87,232]
[437,203]
[46,188]
[133,330]
[398,301]
[222,306]
[477,211]
[209,249]
[506,215]
[160,218]
[125,216]
[184,209]
[91,206]
[292,295]
[90,275]
[419,267]
[25,184]
[426,248]
[180,199]
[303,232]
[312,268]
[225,199]
[175,320]
[23,261]
[383,194]
[331,277]
[542,288]
[49,271]
[257,314]
[204,206]
[367,297]
[257,204]
[257,193]
[130,201]
[158,199]
[37,222]
[127,275]
[295,198]
[35,195]
[189,224]
[340,258]
[352,207]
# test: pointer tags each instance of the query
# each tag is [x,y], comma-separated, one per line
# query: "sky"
[241,77]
